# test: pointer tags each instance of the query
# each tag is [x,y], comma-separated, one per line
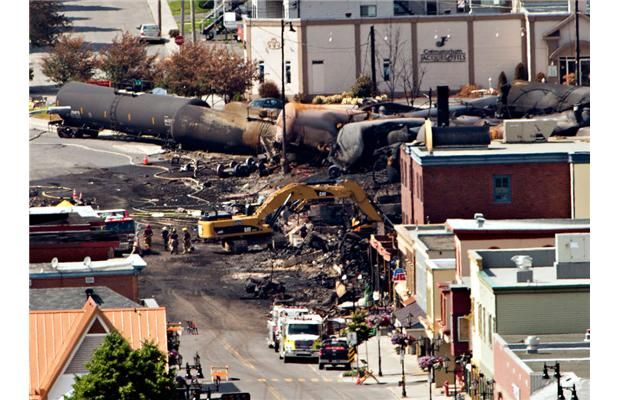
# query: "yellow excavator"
[236,232]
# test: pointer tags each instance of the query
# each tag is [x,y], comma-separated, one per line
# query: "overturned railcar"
[188,122]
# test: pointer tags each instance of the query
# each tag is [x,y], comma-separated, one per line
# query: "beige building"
[324,56]
[549,293]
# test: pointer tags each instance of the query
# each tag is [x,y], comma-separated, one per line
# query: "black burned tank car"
[189,122]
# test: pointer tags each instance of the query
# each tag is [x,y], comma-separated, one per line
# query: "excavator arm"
[259,223]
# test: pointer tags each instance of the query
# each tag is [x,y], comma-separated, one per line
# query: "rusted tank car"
[189,122]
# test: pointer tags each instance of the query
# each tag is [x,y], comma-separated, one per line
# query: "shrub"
[318,100]
[362,87]
[540,77]
[269,89]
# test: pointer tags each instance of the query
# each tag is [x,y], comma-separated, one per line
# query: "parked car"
[149,33]
[265,108]
[334,352]
[388,108]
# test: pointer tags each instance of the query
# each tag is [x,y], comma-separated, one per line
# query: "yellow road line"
[275,380]
[314,379]
[235,353]
[301,379]
[262,380]
[288,379]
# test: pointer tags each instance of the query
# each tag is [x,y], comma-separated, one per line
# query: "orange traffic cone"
[146,160]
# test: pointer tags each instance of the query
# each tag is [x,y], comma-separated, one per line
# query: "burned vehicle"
[371,144]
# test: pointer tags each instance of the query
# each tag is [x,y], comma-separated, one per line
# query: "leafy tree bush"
[198,69]
[362,87]
[126,58]
[269,89]
[359,325]
[69,60]
[118,372]
[46,22]
[521,72]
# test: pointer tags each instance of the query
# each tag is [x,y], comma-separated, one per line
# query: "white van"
[149,33]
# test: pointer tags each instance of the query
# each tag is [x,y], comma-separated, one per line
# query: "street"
[206,286]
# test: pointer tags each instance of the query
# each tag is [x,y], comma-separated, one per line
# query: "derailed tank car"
[189,122]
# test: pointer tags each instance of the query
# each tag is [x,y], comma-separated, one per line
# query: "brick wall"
[540,190]
[126,285]
[509,372]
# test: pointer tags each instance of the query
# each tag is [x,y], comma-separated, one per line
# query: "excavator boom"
[259,224]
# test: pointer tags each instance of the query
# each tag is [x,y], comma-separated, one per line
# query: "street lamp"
[460,360]
[284,161]
[402,364]
[557,375]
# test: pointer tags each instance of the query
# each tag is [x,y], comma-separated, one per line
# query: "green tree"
[126,58]
[69,60]
[46,22]
[117,372]
[359,325]
[198,69]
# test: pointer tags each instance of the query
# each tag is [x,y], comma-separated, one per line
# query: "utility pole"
[192,5]
[183,18]
[284,161]
[577,49]
[159,16]
[373,67]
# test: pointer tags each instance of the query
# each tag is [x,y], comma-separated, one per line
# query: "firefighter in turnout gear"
[174,242]
[148,237]
[187,241]
[165,235]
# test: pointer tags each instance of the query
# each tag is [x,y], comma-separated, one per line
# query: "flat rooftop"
[433,236]
[497,152]
[129,263]
[570,350]
[518,224]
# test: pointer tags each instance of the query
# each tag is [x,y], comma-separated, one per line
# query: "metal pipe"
[577,49]
[192,6]
[373,67]
[183,18]
[283,161]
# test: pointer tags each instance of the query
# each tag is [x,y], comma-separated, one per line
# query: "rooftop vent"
[479,217]
[532,343]
[524,265]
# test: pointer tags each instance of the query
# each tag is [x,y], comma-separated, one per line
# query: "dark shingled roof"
[73,298]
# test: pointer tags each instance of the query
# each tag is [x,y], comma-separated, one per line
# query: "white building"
[330,45]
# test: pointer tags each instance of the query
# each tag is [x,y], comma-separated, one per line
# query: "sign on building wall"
[442,56]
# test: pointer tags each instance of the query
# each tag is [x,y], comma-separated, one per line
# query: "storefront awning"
[410,314]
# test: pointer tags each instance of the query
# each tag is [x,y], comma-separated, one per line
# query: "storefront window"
[567,66]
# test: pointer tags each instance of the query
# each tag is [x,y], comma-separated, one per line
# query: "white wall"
[260,51]
[540,47]
[338,56]
[387,37]
[453,74]
[481,295]
[498,48]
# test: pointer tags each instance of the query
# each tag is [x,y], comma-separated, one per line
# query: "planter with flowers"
[430,362]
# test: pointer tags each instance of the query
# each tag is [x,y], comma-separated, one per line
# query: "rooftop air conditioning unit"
[527,130]
[572,247]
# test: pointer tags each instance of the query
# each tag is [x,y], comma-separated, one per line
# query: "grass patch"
[46,116]
[175,7]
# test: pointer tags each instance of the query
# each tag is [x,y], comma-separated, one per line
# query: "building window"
[368,11]
[386,69]
[462,329]
[502,190]
[567,66]
[490,329]
[261,71]
[288,72]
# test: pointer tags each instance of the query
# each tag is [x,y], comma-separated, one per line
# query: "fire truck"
[119,221]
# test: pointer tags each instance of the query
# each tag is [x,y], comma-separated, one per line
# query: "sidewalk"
[167,23]
[416,380]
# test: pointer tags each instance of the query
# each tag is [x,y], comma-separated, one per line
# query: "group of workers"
[170,239]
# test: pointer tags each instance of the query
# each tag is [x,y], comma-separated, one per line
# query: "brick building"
[118,274]
[502,181]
